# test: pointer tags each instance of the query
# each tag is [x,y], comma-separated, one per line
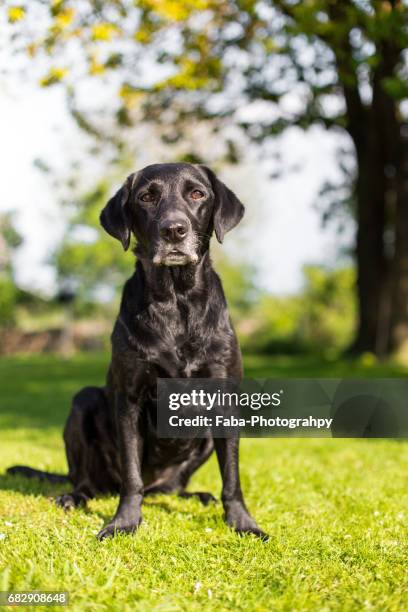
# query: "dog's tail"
[23,470]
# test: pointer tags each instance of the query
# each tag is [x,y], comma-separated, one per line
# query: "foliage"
[321,317]
[338,536]
[8,296]
[239,283]
[88,260]
[328,304]
[214,58]
[10,240]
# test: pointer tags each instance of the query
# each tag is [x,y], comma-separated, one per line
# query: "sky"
[281,231]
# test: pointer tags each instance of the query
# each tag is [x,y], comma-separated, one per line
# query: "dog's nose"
[173,231]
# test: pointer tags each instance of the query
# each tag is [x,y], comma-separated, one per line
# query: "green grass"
[336,511]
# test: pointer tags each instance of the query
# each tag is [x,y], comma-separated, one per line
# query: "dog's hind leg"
[174,479]
[90,446]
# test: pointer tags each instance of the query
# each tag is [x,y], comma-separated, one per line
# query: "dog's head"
[172,209]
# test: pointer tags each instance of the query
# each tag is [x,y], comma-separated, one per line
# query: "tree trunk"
[370,255]
[372,269]
[399,320]
[382,215]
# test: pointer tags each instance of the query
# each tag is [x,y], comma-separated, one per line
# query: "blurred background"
[301,108]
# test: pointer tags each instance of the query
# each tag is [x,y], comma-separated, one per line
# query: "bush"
[321,317]
[8,298]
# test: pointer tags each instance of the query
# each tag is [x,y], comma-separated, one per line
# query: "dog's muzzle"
[174,257]
[176,245]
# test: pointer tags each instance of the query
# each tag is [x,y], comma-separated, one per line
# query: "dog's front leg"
[128,515]
[236,513]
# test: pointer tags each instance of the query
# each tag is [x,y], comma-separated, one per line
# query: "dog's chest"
[190,361]
[183,336]
[189,339]
[190,350]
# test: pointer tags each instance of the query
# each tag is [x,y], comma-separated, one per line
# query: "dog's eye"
[197,194]
[147,197]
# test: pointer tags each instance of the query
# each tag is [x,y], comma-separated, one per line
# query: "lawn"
[336,511]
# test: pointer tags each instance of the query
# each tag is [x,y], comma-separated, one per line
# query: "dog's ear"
[228,209]
[115,217]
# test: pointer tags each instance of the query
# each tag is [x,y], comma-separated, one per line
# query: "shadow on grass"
[31,486]
[36,487]
[37,391]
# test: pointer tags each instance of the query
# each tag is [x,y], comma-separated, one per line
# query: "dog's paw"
[254,531]
[115,527]
[204,497]
[248,526]
[237,517]
[68,501]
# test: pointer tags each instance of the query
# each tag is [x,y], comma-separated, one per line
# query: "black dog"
[173,322]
